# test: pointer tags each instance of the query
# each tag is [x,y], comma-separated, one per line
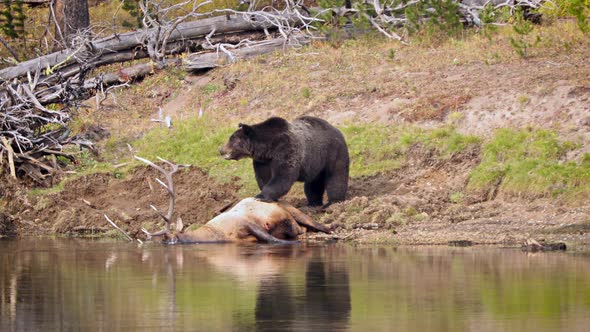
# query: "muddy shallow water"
[71,285]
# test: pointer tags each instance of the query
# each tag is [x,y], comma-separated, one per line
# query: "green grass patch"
[378,148]
[45,191]
[446,141]
[196,142]
[528,163]
[373,148]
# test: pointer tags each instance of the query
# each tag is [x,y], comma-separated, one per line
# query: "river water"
[75,285]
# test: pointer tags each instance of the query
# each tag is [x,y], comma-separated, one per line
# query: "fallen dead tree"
[35,133]
[227,53]
[32,135]
[70,61]
[86,53]
[250,220]
[195,61]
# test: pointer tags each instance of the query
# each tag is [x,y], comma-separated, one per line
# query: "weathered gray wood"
[132,40]
[173,48]
[208,60]
[196,61]
[55,93]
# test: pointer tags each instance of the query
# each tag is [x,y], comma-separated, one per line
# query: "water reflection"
[324,302]
[62,285]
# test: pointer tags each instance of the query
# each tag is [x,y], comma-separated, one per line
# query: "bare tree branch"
[169,186]
[10,49]
[118,228]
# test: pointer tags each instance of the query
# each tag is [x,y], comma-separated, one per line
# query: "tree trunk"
[71,18]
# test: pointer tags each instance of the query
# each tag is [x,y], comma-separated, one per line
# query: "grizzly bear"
[307,149]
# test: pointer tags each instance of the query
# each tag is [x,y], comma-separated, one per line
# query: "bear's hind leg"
[314,190]
[336,187]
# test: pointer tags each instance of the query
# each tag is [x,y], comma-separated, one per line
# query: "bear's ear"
[249,131]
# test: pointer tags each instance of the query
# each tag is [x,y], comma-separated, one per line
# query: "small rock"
[461,243]
[370,226]
[335,225]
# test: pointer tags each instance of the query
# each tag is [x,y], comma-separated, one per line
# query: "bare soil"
[413,206]
[79,208]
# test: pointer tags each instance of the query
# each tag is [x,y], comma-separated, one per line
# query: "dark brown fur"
[308,149]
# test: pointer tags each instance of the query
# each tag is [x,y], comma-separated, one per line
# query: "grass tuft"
[529,163]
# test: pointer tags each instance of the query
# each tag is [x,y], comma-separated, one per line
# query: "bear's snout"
[224,152]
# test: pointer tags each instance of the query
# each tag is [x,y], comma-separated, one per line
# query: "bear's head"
[239,144]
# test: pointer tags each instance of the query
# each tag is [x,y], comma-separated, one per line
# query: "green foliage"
[132,7]
[209,88]
[489,15]
[373,149]
[306,92]
[456,197]
[523,29]
[327,4]
[434,16]
[44,191]
[447,141]
[196,142]
[579,9]
[528,162]
[12,18]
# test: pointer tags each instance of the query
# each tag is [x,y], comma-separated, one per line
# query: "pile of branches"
[32,136]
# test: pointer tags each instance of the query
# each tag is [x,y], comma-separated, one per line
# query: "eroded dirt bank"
[409,206]
[79,208]
[415,205]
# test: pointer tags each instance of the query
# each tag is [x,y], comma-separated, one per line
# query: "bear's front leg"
[280,183]
[274,190]
[263,172]
[261,198]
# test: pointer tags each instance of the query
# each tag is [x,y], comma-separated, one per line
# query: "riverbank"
[454,141]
